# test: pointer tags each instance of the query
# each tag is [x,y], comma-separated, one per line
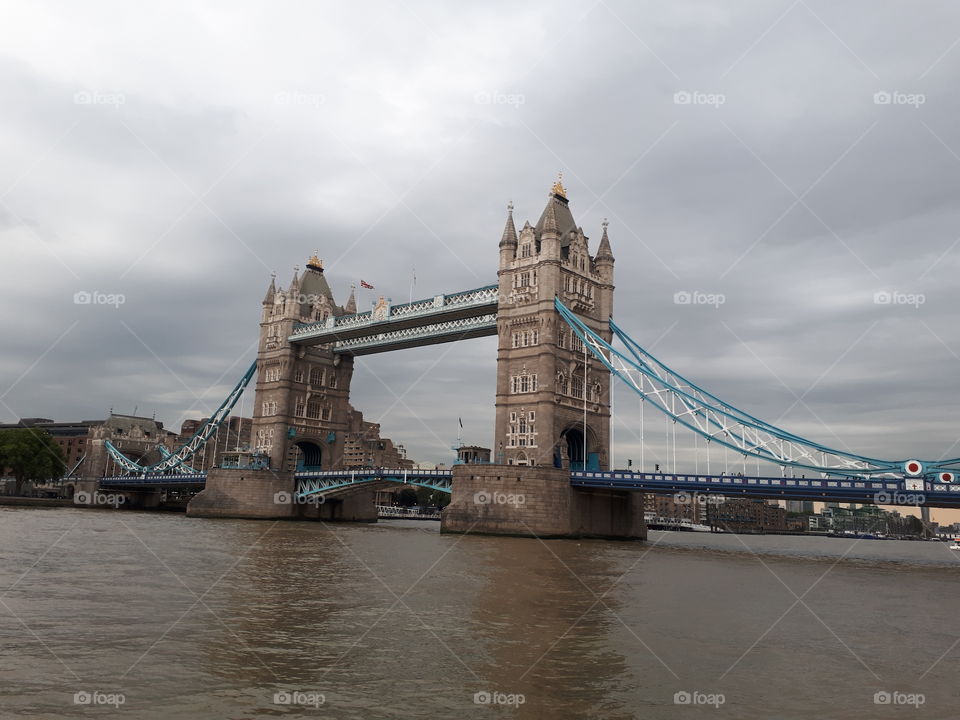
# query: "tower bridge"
[551,309]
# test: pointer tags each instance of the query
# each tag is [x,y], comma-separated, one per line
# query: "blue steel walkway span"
[155,480]
[442,318]
[867,491]
[314,483]
[878,491]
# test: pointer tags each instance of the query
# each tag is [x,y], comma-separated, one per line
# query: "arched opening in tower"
[309,456]
[571,440]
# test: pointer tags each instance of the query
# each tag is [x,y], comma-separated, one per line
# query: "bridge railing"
[878,491]
[478,296]
[743,481]
[450,327]
[372,472]
[156,479]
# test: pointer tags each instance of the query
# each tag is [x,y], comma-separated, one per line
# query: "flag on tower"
[365,285]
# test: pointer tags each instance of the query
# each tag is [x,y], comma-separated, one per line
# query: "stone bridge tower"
[553,402]
[301,411]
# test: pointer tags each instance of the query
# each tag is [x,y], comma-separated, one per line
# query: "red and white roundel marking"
[913,467]
[946,477]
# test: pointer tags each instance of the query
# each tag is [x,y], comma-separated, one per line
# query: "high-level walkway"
[440,319]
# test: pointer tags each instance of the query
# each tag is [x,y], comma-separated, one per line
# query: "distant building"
[364,448]
[471,454]
[797,524]
[676,507]
[233,434]
[746,515]
[867,519]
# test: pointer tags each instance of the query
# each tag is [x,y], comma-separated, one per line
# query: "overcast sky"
[176,155]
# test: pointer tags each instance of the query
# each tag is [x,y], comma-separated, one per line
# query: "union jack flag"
[365,285]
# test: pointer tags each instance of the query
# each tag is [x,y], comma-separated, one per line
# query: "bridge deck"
[880,491]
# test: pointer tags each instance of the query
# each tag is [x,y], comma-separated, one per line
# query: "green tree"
[31,454]
[427,497]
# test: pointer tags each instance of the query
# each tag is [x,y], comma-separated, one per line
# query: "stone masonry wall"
[244,493]
[537,502]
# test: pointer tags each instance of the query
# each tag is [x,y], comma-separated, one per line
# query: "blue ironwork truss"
[173,462]
[323,483]
[718,421]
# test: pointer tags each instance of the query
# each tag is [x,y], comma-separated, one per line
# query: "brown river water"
[151,615]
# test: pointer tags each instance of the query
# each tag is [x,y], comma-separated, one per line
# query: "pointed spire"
[603,251]
[550,218]
[509,230]
[271,291]
[295,283]
[351,307]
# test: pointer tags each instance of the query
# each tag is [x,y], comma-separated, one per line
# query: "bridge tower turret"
[301,407]
[553,402]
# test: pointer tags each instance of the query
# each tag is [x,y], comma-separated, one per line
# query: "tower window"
[525,338]
[523,383]
[521,432]
[316,376]
[576,386]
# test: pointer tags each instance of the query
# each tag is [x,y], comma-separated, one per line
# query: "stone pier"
[269,495]
[538,502]
[245,493]
[355,506]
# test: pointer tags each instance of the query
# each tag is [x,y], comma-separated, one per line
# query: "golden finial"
[558,188]
[315,262]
